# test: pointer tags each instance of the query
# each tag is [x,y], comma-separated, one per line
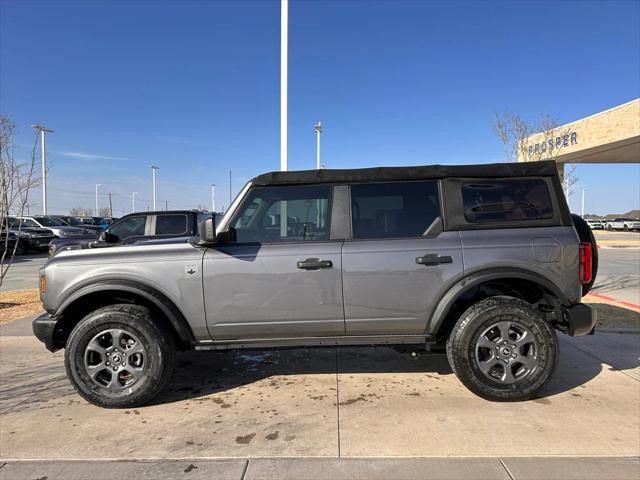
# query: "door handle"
[433,259]
[314,264]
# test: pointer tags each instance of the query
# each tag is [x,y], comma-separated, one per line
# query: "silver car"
[484,261]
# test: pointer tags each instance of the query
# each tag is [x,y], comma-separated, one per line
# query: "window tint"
[393,210]
[171,224]
[284,214]
[29,223]
[506,200]
[129,227]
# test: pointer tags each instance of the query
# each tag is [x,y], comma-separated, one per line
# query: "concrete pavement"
[548,468]
[23,273]
[619,274]
[323,402]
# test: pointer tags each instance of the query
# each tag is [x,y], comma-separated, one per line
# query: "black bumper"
[582,319]
[44,328]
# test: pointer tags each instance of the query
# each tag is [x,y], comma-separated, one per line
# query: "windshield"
[49,221]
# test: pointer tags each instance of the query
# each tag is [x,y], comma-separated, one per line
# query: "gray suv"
[483,260]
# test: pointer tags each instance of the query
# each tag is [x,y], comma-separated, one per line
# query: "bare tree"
[16,181]
[535,141]
[104,212]
[80,212]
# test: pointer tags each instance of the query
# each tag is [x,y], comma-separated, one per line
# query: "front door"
[280,277]
[399,261]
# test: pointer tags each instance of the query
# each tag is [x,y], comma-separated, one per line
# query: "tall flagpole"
[284,41]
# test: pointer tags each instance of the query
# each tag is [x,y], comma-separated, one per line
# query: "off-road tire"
[158,344]
[461,348]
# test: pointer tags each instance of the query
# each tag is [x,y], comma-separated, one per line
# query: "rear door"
[280,277]
[399,261]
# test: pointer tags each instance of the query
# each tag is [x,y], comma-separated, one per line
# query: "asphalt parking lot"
[322,403]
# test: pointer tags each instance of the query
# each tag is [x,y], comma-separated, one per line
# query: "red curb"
[611,299]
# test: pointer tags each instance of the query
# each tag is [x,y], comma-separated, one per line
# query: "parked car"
[483,259]
[8,242]
[595,224]
[76,222]
[135,228]
[625,224]
[102,222]
[29,238]
[56,225]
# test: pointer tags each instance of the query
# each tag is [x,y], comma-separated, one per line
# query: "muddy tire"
[118,357]
[502,349]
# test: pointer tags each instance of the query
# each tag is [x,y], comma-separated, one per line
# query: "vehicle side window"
[284,214]
[175,224]
[393,210]
[129,227]
[29,223]
[487,201]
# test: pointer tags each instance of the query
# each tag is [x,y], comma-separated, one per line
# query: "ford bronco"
[484,261]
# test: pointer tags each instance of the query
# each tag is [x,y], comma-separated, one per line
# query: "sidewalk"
[548,468]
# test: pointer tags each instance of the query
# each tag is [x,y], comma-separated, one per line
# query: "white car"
[595,224]
[625,224]
[56,225]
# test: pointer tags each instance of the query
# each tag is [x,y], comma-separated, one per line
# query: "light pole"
[213,198]
[284,54]
[318,128]
[582,210]
[43,130]
[133,201]
[153,173]
[97,185]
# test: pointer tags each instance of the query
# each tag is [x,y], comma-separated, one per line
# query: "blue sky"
[194,88]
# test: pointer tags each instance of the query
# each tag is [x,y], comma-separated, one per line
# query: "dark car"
[137,228]
[29,238]
[76,222]
[7,241]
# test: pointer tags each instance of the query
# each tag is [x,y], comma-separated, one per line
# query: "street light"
[213,198]
[318,128]
[153,173]
[97,185]
[133,201]
[42,130]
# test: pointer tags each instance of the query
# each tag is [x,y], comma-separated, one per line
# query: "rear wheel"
[502,349]
[119,357]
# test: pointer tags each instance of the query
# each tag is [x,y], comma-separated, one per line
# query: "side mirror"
[208,231]
[107,237]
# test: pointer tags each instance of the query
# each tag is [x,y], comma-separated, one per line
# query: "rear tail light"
[585,255]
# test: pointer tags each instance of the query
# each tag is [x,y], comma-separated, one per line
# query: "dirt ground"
[18,304]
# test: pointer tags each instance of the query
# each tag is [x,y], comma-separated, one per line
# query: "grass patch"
[18,304]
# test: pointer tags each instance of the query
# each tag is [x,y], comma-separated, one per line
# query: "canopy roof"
[384,174]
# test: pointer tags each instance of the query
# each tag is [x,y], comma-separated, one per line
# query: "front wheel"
[502,349]
[20,248]
[117,356]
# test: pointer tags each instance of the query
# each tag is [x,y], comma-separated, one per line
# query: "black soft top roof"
[380,174]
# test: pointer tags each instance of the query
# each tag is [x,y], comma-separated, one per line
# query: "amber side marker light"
[43,284]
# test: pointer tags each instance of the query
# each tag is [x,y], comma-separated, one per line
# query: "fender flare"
[476,278]
[152,295]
